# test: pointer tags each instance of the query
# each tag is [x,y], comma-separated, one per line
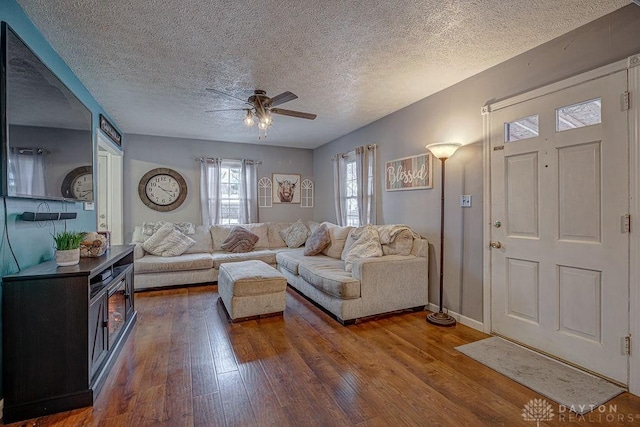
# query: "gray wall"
[144,153]
[454,115]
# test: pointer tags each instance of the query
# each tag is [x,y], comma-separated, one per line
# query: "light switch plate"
[465,201]
[89,206]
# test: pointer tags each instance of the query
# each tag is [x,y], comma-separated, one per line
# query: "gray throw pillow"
[318,240]
[295,235]
[240,240]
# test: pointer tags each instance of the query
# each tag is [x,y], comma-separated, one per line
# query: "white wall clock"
[78,184]
[162,189]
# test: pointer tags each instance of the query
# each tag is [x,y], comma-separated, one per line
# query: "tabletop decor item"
[93,245]
[68,247]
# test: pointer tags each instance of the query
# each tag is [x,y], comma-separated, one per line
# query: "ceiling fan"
[259,106]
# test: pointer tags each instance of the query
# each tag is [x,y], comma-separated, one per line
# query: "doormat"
[576,390]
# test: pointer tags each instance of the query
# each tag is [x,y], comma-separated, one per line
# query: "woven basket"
[93,248]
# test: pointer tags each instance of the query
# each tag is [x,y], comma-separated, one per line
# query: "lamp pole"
[443,151]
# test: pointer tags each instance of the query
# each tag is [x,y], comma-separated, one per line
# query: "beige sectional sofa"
[395,281]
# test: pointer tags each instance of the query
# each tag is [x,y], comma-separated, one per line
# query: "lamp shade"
[443,150]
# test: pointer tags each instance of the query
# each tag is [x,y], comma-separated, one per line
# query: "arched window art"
[306,201]
[264,192]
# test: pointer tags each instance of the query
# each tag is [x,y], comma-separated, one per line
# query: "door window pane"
[575,116]
[524,128]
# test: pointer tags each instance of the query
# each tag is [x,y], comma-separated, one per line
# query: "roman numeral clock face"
[162,189]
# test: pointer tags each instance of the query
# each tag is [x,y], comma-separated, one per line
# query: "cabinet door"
[97,332]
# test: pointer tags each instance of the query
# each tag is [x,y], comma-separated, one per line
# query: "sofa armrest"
[392,282]
[138,251]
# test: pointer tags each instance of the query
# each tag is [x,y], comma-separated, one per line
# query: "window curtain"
[339,188]
[367,178]
[248,192]
[210,191]
[26,172]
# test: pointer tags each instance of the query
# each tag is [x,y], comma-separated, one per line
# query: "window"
[579,115]
[351,186]
[355,186]
[524,128]
[230,192]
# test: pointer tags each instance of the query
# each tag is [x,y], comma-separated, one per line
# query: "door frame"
[115,186]
[632,64]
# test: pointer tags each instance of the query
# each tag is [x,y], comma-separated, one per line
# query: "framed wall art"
[286,188]
[409,173]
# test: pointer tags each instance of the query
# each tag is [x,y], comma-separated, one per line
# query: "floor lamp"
[442,150]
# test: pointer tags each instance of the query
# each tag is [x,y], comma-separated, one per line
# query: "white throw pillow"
[167,241]
[295,235]
[366,244]
[338,239]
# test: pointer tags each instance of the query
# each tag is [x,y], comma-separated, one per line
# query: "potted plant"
[68,247]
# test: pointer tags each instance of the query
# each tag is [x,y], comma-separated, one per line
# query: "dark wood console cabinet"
[63,328]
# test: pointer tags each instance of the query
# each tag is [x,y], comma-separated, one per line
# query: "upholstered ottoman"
[250,289]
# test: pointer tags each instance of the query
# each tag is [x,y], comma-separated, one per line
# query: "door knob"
[495,245]
[497,224]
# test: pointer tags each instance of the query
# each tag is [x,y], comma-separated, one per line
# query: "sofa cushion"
[261,230]
[185,262]
[167,241]
[202,237]
[295,235]
[318,240]
[264,255]
[239,240]
[338,236]
[330,278]
[366,244]
[289,259]
[273,232]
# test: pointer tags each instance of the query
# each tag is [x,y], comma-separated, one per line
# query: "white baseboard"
[467,321]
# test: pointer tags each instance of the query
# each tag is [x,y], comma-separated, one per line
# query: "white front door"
[559,196]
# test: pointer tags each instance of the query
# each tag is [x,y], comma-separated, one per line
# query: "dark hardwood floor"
[184,365]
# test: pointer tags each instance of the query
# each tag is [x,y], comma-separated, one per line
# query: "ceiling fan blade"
[292,113]
[226,94]
[282,98]
[227,109]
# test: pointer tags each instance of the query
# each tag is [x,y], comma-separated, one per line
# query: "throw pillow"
[149,228]
[366,244]
[295,235]
[318,240]
[167,241]
[338,236]
[240,240]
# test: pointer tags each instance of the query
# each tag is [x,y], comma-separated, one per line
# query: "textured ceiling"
[350,62]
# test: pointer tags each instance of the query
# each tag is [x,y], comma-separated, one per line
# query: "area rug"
[576,390]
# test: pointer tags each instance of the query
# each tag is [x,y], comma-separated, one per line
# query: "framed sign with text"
[409,173]
[110,130]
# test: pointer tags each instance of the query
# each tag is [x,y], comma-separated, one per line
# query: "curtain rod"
[22,150]
[209,159]
[343,155]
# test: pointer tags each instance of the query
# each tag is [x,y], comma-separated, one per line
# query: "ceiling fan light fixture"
[262,124]
[248,119]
